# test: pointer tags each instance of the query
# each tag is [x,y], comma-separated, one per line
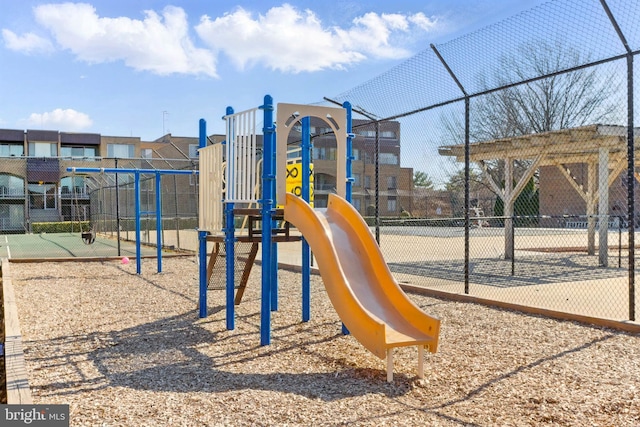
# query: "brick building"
[395,182]
[36,187]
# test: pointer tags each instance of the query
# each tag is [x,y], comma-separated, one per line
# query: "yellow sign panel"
[294,172]
[294,180]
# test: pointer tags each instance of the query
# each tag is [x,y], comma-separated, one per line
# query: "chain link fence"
[500,165]
[520,141]
[93,214]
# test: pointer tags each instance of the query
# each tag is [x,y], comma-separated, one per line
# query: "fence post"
[513,246]
[630,162]
[117,209]
[467,224]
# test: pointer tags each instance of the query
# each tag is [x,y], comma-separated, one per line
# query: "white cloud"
[371,33]
[289,40]
[284,38]
[27,43]
[158,43]
[67,119]
[423,21]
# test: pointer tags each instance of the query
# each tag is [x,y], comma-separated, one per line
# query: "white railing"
[11,192]
[241,174]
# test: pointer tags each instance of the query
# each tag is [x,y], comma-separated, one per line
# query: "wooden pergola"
[603,148]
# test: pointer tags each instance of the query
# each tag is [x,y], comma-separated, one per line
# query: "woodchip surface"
[129,350]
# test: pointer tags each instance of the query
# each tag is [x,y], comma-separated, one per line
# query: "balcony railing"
[11,192]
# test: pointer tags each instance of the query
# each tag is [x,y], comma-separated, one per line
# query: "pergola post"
[603,207]
[509,201]
[591,207]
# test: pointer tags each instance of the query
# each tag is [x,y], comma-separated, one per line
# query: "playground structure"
[369,301]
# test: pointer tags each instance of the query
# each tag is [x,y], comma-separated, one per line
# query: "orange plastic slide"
[359,283]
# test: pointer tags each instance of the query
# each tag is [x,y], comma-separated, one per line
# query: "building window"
[42,196]
[43,149]
[356,154]
[324,153]
[368,133]
[323,182]
[12,217]
[392,204]
[357,181]
[294,155]
[76,152]
[367,182]
[391,183]
[146,153]
[388,159]
[357,203]
[11,150]
[122,151]
[388,134]
[11,185]
[73,185]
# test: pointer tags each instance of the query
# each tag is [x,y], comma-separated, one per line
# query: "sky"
[145,68]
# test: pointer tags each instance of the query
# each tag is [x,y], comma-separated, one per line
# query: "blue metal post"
[136,190]
[229,241]
[159,221]
[274,274]
[202,254]
[202,133]
[305,146]
[202,238]
[274,245]
[268,179]
[349,189]
[349,171]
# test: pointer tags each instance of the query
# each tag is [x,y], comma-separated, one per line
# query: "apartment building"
[395,189]
[36,187]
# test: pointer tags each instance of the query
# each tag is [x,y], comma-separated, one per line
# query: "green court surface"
[66,245]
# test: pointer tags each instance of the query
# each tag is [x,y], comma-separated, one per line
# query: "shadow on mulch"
[163,356]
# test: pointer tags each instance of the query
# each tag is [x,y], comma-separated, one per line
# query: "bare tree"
[560,101]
